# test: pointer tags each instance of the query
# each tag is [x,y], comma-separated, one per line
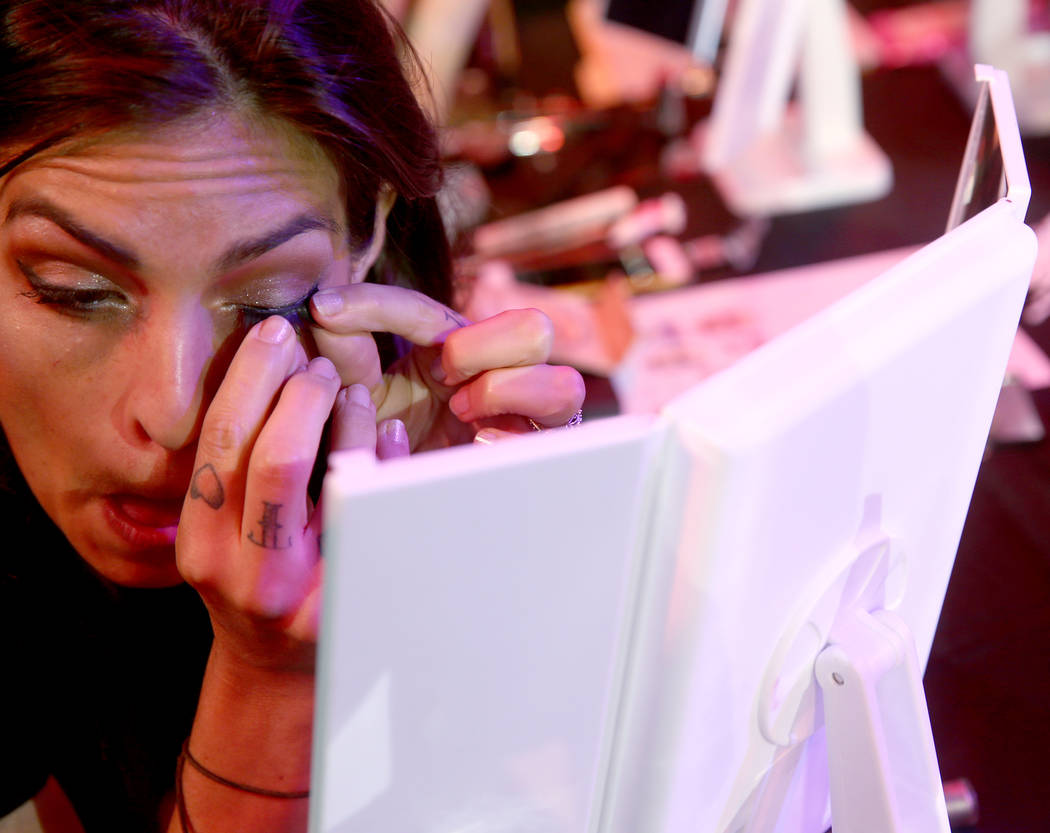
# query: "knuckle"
[567,388]
[242,598]
[196,567]
[544,338]
[455,350]
[574,386]
[484,392]
[222,436]
[272,470]
[193,571]
[311,385]
[533,332]
[263,602]
[538,324]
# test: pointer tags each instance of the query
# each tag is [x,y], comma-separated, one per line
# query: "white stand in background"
[767,157]
[999,35]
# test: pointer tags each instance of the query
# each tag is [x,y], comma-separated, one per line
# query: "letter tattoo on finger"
[206,486]
[455,319]
[269,527]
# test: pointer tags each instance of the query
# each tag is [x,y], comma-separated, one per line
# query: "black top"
[99,682]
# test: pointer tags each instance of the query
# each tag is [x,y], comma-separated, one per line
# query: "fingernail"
[327,301]
[323,367]
[486,436]
[459,403]
[394,431]
[437,371]
[359,395]
[274,330]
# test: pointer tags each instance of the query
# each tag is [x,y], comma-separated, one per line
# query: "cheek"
[50,389]
[41,351]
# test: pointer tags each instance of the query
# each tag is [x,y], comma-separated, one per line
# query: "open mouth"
[143,522]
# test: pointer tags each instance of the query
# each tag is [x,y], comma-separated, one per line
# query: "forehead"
[238,170]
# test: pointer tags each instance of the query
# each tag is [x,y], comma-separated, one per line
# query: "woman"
[207,208]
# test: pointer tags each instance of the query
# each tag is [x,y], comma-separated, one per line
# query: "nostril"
[168,418]
[167,397]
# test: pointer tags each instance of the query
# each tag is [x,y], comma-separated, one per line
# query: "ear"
[384,202]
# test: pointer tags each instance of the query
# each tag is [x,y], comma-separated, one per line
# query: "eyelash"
[298,314]
[86,301]
[79,301]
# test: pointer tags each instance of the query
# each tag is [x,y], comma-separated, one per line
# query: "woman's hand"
[248,536]
[460,378]
[248,543]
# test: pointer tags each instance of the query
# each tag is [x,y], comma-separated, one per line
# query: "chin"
[117,551]
[144,570]
[138,576]
[129,567]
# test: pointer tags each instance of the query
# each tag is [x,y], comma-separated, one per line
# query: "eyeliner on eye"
[297,313]
[70,298]
[34,279]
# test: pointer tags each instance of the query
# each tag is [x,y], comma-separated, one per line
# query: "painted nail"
[327,301]
[394,431]
[274,330]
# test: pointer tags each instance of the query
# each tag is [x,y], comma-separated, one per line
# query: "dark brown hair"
[331,68]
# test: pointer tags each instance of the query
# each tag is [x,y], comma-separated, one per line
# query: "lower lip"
[137,533]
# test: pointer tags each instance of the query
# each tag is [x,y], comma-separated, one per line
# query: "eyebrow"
[37,207]
[247,250]
[240,252]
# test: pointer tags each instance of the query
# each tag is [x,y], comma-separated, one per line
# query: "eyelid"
[79,300]
[98,282]
[298,312]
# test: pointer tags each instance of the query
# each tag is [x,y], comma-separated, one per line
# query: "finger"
[262,363]
[354,420]
[305,623]
[548,394]
[515,338]
[490,436]
[393,440]
[371,307]
[355,356]
[277,560]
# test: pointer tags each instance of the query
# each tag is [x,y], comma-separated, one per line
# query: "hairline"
[255,118]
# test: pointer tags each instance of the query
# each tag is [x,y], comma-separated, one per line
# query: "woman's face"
[130,268]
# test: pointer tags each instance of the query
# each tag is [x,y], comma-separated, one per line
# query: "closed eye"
[75,300]
[297,314]
[79,299]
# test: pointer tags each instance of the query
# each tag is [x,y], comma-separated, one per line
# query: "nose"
[178,355]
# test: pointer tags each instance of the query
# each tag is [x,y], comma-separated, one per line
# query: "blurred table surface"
[988,678]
